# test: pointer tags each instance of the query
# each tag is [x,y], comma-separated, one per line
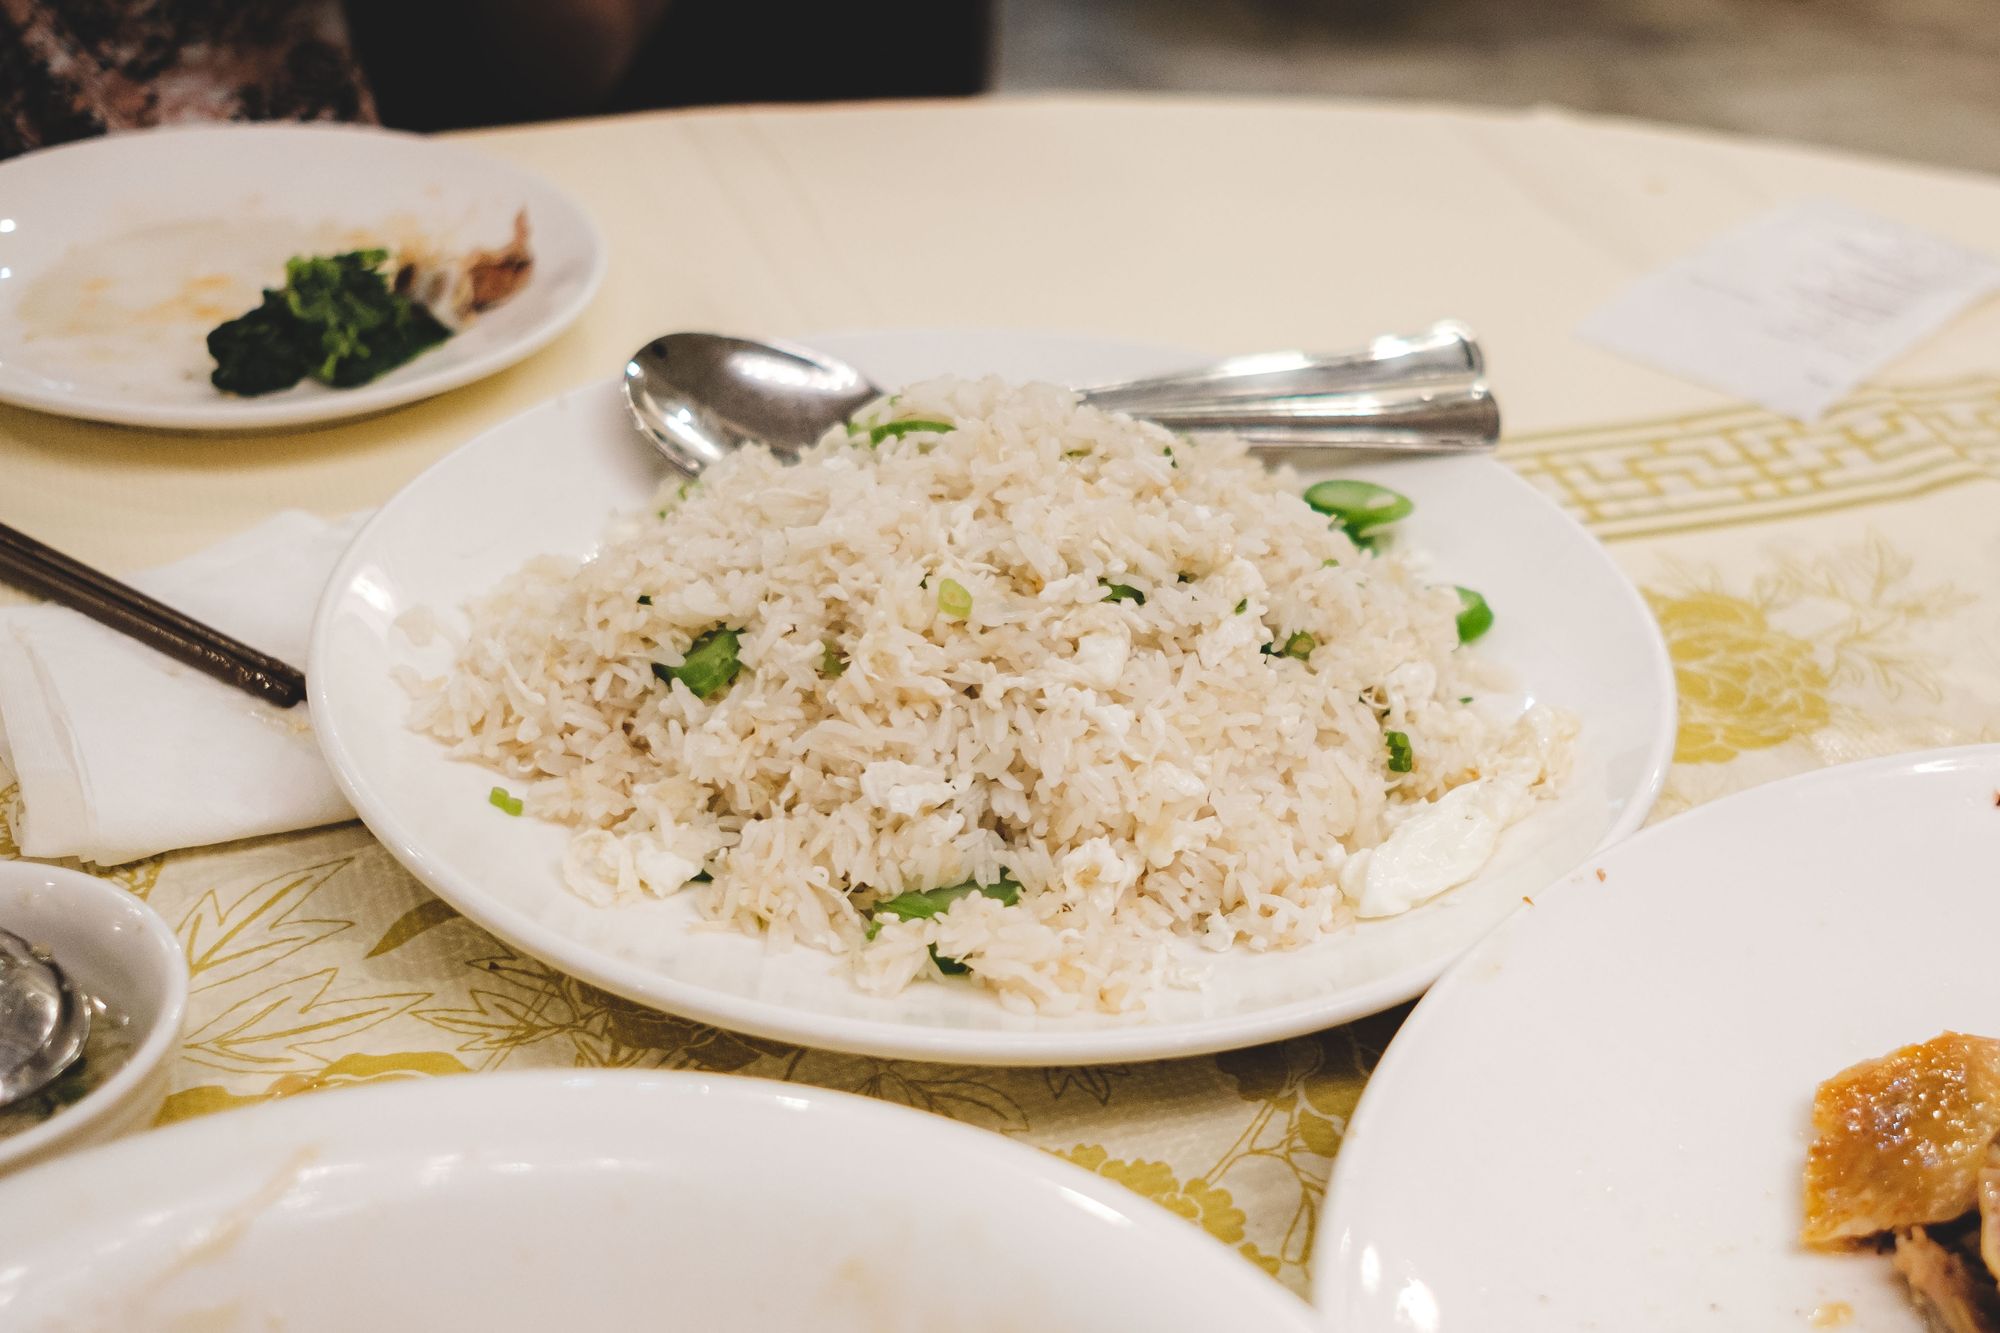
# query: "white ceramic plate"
[117,255]
[1598,1119]
[1569,624]
[521,1203]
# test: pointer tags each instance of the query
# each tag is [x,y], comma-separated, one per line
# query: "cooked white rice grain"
[1145,772]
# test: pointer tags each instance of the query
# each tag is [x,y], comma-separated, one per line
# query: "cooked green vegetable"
[1299,645]
[504,801]
[708,666]
[831,663]
[1121,592]
[920,906]
[645,599]
[1401,760]
[1359,505]
[877,434]
[1243,606]
[336,319]
[1475,617]
[954,600]
[263,351]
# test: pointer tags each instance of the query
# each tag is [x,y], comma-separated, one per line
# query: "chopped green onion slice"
[1359,505]
[1329,563]
[708,666]
[1243,606]
[1299,645]
[1475,617]
[831,663]
[504,801]
[1121,592]
[877,434]
[1401,760]
[954,600]
[645,599]
[1183,577]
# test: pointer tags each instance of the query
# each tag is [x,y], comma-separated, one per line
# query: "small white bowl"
[114,946]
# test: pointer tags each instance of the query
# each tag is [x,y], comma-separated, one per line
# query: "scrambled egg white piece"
[1441,844]
[604,868]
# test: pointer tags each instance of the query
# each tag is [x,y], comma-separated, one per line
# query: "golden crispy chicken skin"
[1902,1140]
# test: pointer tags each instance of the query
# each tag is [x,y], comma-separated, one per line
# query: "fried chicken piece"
[1902,1140]
[494,275]
[1989,1214]
[456,288]
[1951,1288]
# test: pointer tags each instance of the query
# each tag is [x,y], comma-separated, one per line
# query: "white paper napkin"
[1796,307]
[121,752]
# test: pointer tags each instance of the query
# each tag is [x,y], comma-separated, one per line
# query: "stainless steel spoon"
[698,396]
[44,1019]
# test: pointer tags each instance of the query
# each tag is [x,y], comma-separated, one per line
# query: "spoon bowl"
[698,396]
[44,1019]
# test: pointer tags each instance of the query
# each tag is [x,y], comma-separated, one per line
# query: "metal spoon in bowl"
[44,1020]
[698,396]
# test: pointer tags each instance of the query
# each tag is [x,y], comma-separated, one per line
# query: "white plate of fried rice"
[996,729]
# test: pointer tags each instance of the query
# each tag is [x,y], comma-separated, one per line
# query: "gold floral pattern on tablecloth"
[1809,639]
[1826,592]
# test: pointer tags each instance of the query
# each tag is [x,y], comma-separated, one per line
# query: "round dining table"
[1826,590]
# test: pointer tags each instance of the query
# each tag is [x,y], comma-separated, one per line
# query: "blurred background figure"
[74,68]
[1908,78]
[70,69]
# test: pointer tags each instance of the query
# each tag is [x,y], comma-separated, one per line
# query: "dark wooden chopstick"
[45,572]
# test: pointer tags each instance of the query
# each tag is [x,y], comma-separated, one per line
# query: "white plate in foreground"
[520,1203]
[1569,625]
[1599,1118]
[118,255]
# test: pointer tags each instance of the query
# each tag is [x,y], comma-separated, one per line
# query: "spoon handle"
[1407,419]
[1445,351]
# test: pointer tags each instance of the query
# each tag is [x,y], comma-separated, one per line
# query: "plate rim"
[1324,1271]
[349,1122]
[335,405]
[873,1037]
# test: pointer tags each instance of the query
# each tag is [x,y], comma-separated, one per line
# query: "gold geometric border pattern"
[1738,465]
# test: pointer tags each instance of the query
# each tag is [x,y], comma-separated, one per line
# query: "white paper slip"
[1796,307]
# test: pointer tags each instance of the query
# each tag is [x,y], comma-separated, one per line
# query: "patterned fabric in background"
[71,69]
[1827,592]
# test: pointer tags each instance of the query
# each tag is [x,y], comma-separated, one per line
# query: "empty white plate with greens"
[1570,630]
[119,255]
